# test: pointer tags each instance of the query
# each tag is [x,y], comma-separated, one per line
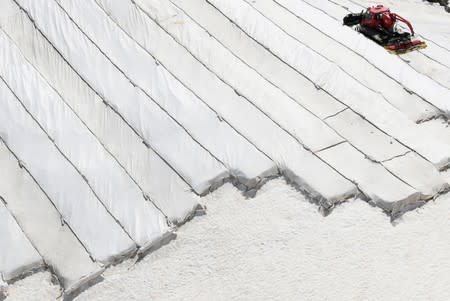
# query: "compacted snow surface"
[277,247]
[221,150]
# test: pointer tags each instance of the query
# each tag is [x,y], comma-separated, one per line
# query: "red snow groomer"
[379,24]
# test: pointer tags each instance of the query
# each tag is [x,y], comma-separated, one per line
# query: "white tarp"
[434,55]
[42,224]
[110,183]
[332,79]
[205,47]
[146,117]
[384,189]
[251,52]
[365,137]
[146,73]
[351,126]
[301,166]
[159,181]
[79,207]
[17,255]
[436,49]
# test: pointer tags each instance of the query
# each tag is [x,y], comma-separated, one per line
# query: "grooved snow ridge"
[116,116]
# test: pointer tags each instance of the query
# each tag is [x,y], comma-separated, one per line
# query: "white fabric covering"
[17,255]
[107,179]
[181,104]
[329,77]
[79,207]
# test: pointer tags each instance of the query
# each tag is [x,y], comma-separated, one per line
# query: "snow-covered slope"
[117,117]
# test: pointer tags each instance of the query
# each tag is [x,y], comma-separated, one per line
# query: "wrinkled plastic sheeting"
[17,255]
[102,236]
[331,78]
[146,117]
[42,224]
[198,119]
[299,165]
[114,188]
[159,181]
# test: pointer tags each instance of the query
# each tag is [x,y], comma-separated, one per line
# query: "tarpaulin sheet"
[158,180]
[42,224]
[107,179]
[146,117]
[196,117]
